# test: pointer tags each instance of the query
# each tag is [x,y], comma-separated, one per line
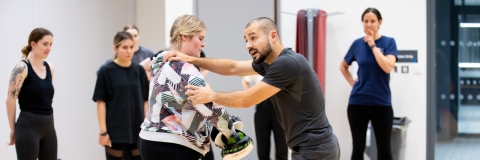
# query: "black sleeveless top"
[36,94]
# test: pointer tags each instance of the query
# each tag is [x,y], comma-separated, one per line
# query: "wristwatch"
[371,47]
[104,134]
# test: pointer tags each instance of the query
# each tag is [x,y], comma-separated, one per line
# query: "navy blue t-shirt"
[373,86]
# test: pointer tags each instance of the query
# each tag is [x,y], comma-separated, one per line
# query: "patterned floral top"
[171,118]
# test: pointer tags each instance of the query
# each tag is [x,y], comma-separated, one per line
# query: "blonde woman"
[174,129]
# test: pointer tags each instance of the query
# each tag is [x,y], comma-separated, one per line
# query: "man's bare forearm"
[236,99]
[219,66]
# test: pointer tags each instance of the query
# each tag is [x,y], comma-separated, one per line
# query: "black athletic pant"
[118,151]
[265,122]
[381,118]
[151,150]
[127,155]
[35,137]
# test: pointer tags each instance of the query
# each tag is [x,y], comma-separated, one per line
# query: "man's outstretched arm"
[224,67]
[237,99]
[285,71]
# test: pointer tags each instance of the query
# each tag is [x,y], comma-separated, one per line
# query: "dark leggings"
[151,150]
[35,137]
[116,152]
[381,118]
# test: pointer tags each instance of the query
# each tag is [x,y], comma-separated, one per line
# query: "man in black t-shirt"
[288,77]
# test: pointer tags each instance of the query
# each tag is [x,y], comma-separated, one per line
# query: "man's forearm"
[235,99]
[219,66]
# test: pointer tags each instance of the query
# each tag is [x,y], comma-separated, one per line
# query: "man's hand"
[199,95]
[175,56]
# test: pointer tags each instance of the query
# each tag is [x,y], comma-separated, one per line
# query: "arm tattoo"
[15,92]
[16,76]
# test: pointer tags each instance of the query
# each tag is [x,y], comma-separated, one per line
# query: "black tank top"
[36,94]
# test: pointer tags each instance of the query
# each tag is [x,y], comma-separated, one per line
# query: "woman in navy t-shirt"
[370,99]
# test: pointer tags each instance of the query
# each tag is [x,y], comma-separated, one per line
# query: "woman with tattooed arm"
[31,82]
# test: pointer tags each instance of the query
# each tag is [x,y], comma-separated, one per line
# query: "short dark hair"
[374,11]
[266,23]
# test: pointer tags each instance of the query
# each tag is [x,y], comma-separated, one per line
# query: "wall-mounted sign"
[407,56]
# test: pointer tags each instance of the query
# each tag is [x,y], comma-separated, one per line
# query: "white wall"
[151,23]
[403,20]
[83,38]
[155,18]
[174,9]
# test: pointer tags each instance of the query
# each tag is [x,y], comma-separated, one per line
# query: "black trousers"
[265,122]
[150,150]
[35,137]
[381,118]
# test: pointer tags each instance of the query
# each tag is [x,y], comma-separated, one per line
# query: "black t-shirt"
[300,104]
[124,90]
[141,54]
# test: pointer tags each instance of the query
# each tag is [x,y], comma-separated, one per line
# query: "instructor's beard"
[262,54]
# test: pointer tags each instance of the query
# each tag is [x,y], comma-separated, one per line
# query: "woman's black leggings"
[150,150]
[382,121]
[118,150]
[35,137]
